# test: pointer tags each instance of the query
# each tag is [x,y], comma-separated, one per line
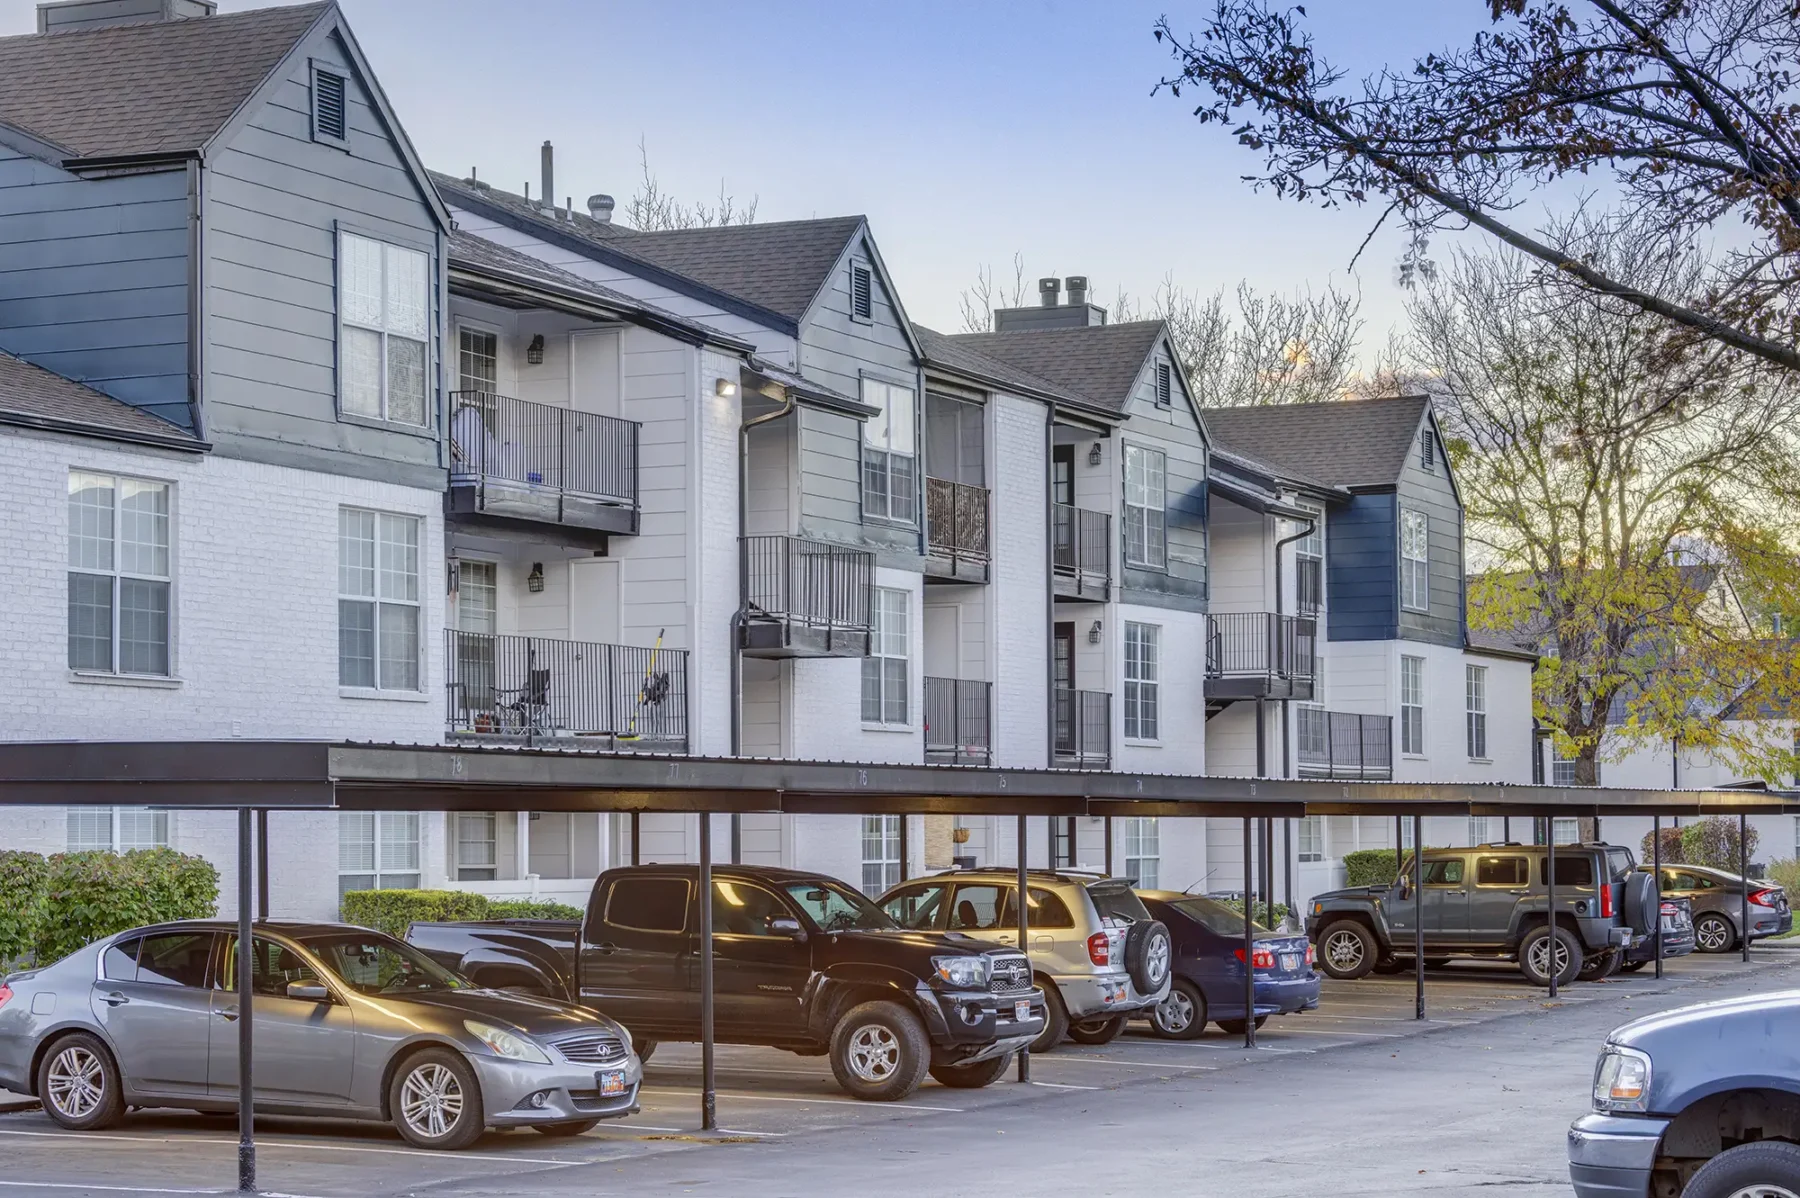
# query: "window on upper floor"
[384,314]
[1415,570]
[1142,647]
[477,360]
[862,292]
[890,461]
[1146,500]
[885,684]
[1428,451]
[120,575]
[1165,385]
[379,645]
[330,109]
[1475,703]
[1412,705]
[1309,565]
[1562,768]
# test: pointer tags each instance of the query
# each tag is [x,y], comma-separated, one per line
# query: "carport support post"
[1656,885]
[1744,873]
[1398,837]
[1024,943]
[637,840]
[262,863]
[1550,902]
[1249,942]
[709,1115]
[246,1082]
[1418,921]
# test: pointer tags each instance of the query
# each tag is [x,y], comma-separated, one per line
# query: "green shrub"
[93,894]
[24,880]
[1673,851]
[531,909]
[1714,841]
[1369,867]
[1259,914]
[391,911]
[1786,874]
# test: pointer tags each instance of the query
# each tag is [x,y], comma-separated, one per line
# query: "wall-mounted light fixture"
[1094,633]
[534,353]
[534,581]
[1094,455]
[724,388]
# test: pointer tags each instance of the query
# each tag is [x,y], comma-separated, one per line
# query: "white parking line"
[1062,1086]
[264,1141]
[886,1106]
[1300,1031]
[87,1187]
[1063,1056]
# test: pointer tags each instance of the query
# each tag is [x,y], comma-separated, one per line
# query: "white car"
[1095,949]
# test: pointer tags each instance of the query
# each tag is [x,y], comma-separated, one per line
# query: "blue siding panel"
[1362,570]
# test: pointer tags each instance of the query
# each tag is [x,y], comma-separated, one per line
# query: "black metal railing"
[520,444]
[1083,728]
[533,688]
[808,583]
[959,721]
[1338,744]
[956,516]
[1081,547]
[1260,644]
[1309,584]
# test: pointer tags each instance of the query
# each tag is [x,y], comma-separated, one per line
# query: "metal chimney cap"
[1049,290]
[600,207]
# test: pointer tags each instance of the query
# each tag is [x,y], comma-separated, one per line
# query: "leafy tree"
[1684,107]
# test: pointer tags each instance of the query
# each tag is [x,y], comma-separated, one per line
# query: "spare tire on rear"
[1149,955]
[1642,910]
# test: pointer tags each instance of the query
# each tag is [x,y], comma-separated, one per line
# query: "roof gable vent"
[328,106]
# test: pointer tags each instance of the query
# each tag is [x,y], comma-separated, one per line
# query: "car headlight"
[1622,1080]
[965,973]
[510,1045]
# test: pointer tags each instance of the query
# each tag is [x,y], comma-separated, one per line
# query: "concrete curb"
[12,1104]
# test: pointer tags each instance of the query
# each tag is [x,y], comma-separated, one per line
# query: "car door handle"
[606,950]
[1518,892]
[229,1014]
[115,999]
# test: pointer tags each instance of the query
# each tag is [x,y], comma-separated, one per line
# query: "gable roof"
[163,87]
[952,356]
[1345,443]
[33,397]
[1098,362]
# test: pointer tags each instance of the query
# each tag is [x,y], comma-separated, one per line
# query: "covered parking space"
[254,778]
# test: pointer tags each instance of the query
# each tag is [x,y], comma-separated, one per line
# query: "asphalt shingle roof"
[158,87]
[950,354]
[1348,443]
[1100,362]
[31,394]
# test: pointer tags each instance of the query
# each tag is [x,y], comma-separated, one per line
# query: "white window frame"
[117,822]
[890,657]
[1475,702]
[1143,851]
[468,329]
[1143,650]
[1562,769]
[1481,829]
[378,599]
[478,822]
[1565,829]
[387,329]
[880,853]
[1415,560]
[1146,507]
[118,575]
[1310,838]
[1412,707]
[886,442]
[1310,547]
[386,829]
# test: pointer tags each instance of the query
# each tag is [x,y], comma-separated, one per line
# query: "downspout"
[196,282]
[737,619]
[1286,763]
[1050,585]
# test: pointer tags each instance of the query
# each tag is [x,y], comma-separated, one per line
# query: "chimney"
[548,157]
[600,207]
[1077,286]
[1074,313]
[1048,291]
[63,16]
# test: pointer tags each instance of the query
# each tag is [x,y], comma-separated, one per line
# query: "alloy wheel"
[1344,950]
[1764,1191]
[431,1100]
[1714,937]
[76,1082]
[1540,957]
[874,1053]
[1156,961]
[1175,1012]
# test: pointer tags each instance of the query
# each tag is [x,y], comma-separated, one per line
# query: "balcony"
[804,598]
[1259,655]
[1337,744]
[533,690]
[1083,729]
[959,721]
[1081,552]
[512,460]
[956,517]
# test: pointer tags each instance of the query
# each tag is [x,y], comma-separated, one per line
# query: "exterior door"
[1062,665]
[594,371]
[156,1010]
[1062,474]
[636,952]
[1446,900]
[304,1050]
[1500,882]
[759,972]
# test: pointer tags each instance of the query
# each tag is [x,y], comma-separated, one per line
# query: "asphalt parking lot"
[772,1097]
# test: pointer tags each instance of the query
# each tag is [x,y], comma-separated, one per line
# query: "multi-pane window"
[884,670]
[1566,830]
[1146,495]
[880,852]
[1141,647]
[120,575]
[1475,690]
[1143,852]
[1309,565]
[890,462]
[384,307]
[1485,829]
[477,620]
[378,850]
[476,860]
[477,360]
[1312,838]
[378,600]
[1562,767]
[117,829]
[1415,585]
[1412,704]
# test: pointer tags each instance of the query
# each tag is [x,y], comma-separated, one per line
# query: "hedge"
[1259,914]
[391,911]
[1369,867]
[57,904]
[531,909]
[22,881]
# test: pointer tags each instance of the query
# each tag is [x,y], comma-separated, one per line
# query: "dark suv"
[1492,901]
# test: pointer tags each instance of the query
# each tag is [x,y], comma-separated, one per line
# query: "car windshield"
[837,908]
[1215,916]
[375,964]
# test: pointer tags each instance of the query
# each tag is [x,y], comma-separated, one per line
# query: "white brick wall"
[1021,547]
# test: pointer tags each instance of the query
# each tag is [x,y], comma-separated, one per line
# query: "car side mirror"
[308,992]
[786,925]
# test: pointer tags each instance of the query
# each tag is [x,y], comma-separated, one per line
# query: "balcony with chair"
[534,690]
[514,461]
[1081,552]
[804,598]
[1083,729]
[1260,655]
[956,520]
[1342,745]
[959,721]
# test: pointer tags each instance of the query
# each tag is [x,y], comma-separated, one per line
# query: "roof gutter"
[53,425]
[523,288]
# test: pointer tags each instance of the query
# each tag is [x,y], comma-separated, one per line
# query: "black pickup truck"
[800,961]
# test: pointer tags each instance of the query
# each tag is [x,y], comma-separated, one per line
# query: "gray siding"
[1176,432]
[1431,492]
[1362,569]
[94,279]
[275,200]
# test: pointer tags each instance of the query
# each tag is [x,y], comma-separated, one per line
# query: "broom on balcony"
[654,689]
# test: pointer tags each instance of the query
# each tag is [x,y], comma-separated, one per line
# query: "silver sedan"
[350,1023]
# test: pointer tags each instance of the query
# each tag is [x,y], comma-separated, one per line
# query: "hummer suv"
[1492,901]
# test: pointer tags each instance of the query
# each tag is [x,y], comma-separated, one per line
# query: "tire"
[1642,910]
[973,1077]
[1601,965]
[435,1100]
[563,1130]
[1768,1167]
[1537,945]
[1097,1031]
[1713,933]
[1235,1027]
[1149,955]
[80,1085]
[645,1049]
[879,1051]
[1346,949]
[1182,1015]
[1056,1018]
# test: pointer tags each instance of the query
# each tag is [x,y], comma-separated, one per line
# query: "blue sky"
[965,130]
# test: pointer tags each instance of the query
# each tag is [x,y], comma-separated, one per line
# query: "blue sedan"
[1209,968]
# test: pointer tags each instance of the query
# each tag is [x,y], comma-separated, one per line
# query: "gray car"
[1718,899]
[349,1023]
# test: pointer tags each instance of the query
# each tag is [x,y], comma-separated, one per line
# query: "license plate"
[611,1082]
[1022,1009]
[1290,961]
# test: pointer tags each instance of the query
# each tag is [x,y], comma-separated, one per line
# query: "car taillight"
[1606,900]
[1668,908]
[1100,948]
[1762,897]
[5,993]
[1260,958]
[1311,957]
